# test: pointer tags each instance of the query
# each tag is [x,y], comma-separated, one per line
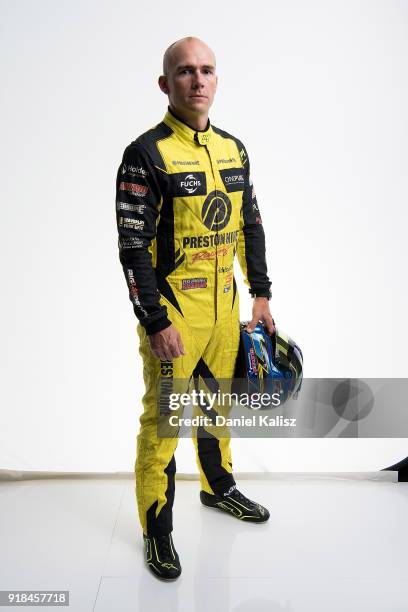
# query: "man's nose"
[198,80]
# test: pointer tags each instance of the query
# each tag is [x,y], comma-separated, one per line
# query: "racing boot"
[237,504]
[161,556]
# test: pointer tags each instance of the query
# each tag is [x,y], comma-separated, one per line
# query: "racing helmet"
[268,364]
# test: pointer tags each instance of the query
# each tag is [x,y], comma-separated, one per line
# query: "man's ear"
[163,84]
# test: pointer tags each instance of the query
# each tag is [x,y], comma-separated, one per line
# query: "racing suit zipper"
[216,241]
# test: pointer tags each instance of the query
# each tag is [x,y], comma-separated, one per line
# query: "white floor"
[330,545]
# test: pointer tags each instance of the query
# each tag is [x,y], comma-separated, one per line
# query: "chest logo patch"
[190,183]
[186,184]
[216,211]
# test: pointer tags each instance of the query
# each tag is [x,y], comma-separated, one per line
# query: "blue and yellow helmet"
[269,363]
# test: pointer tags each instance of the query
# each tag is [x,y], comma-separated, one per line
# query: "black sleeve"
[138,199]
[251,239]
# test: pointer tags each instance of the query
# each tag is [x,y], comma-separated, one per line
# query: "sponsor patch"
[233,179]
[216,211]
[166,368]
[193,283]
[166,387]
[209,240]
[209,255]
[134,188]
[228,282]
[224,269]
[179,162]
[139,208]
[203,138]
[134,170]
[130,243]
[133,291]
[253,366]
[231,160]
[188,184]
[130,223]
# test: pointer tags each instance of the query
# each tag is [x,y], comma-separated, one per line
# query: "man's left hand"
[261,312]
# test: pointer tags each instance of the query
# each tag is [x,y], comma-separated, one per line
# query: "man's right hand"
[167,344]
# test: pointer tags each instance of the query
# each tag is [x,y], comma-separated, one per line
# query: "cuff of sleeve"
[261,293]
[156,326]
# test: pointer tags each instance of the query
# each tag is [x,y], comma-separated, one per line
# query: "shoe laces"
[239,497]
[164,547]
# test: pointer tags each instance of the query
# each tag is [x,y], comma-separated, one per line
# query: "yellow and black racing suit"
[185,205]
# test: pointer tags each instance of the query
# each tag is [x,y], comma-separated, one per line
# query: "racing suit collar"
[202,137]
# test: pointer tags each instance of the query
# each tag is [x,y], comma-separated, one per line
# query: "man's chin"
[200,106]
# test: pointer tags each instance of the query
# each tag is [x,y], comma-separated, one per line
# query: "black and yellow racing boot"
[161,556]
[236,504]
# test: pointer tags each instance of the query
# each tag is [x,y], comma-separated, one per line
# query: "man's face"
[191,81]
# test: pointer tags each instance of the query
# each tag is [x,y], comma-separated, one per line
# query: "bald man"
[185,206]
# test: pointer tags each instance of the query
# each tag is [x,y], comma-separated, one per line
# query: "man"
[185,206]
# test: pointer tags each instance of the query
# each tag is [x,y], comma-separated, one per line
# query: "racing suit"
[185,205]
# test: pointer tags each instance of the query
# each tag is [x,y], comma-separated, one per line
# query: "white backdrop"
[316,90]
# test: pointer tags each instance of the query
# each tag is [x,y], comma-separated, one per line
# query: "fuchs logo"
[190,183]
[193,283]
[216,211]
[134,170]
